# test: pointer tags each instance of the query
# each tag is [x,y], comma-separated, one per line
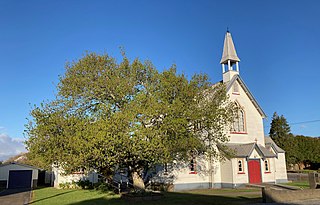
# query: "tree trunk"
[138,183]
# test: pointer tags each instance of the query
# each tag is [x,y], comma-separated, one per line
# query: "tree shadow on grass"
[174,198]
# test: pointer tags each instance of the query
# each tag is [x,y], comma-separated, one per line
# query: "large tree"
[108,115]
[299,149]
[279,130]
[281,135]
[308,150]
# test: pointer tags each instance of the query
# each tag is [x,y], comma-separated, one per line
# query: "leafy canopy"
[108,115]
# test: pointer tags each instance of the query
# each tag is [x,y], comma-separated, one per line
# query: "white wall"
[217,179]
[281,170]
[226,172]
[253,119]
[240,178]
[59,177]
[183,175]
[268,176]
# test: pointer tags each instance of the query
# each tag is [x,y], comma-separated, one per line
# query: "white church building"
[257,159]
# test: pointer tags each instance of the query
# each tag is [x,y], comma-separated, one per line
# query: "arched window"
[239,121]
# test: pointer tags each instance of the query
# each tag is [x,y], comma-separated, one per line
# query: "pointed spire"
[229,52]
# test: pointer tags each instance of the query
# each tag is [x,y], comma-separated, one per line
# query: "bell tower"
[230,60]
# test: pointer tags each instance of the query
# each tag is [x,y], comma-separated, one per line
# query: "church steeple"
[229,59]
[229,55]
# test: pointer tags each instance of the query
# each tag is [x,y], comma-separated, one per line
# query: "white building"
[15,175]
[257,158]
[59,177]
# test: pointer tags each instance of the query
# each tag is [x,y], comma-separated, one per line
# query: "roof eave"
[247,91]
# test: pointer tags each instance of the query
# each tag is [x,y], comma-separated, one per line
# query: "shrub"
[69,185]
[85,184]
[103,187]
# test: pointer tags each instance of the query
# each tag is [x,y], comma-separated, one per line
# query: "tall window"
[266,166]
[239,121]
[240,166]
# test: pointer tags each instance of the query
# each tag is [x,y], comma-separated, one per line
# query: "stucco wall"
[187,179]
[226,172]
[240,177]
[281,170]
[59,177]
[270,175]
[217,175]
[253,119]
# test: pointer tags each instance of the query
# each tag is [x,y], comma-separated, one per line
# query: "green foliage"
[108,115]
[308,149]
[280,133]
[279,130]
[299,149]
[85,184]
[103,187]
[68,185]
[303,185]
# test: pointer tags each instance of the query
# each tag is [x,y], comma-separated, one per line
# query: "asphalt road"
[15,196]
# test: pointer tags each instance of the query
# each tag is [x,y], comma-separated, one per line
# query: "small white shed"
[15,175]
[59,177]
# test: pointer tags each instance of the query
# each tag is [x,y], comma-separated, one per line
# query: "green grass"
[52,196]
[303,185]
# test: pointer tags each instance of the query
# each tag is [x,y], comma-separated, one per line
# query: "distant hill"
[20,158]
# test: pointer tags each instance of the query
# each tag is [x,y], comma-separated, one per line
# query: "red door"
[254,171]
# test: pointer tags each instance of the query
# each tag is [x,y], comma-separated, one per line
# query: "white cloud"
[10,146]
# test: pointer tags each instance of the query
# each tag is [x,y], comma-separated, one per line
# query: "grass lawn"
[303,185]
[52,196]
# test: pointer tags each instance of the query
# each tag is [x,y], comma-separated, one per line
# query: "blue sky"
[277,42]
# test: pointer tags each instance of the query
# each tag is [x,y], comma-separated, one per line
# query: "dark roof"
[266,152]
[270,143]
[245,150]
[247,91]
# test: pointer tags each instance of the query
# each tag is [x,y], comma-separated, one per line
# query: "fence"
[298,177]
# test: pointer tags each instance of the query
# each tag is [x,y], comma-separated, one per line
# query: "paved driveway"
[15,196]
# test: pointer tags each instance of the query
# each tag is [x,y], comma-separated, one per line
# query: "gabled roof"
[24,165]
[229,52]
[245,150]
[247,91]
[270,143]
